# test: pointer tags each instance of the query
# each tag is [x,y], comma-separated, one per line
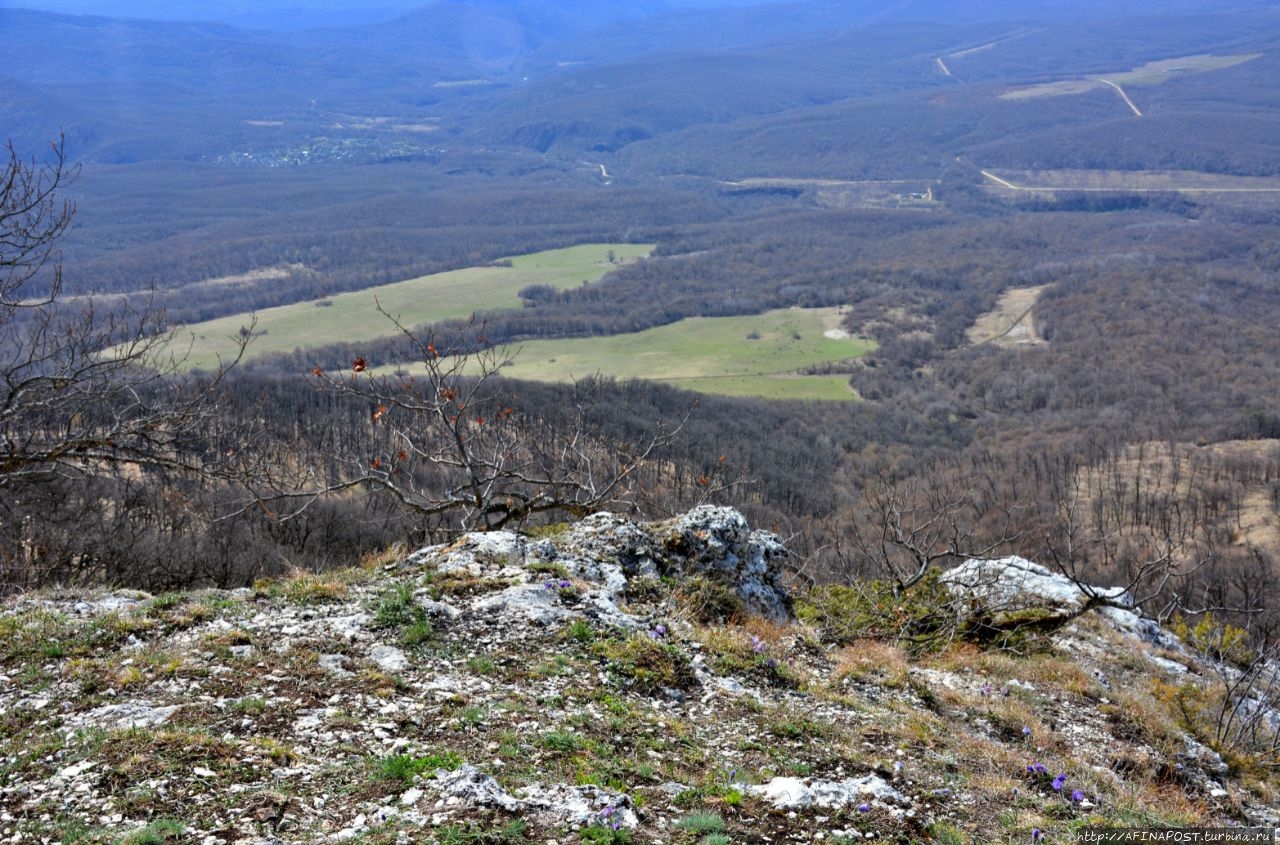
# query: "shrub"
[707,600]
[396,609]
[646,664]
[918,619]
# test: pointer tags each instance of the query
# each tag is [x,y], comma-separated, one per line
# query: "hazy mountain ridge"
[570,79]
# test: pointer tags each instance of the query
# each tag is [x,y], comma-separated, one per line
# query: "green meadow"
[758,355]
[354,316]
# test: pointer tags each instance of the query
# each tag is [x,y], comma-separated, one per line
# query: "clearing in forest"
[1233,476]
[1010,323]
[1152,73]
[1129,181]
[354,316]
[759,355]
[913,194]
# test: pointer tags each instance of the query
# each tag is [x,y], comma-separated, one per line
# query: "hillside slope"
[578,688]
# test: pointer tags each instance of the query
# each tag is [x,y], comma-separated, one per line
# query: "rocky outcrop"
[1011,583]
[559,689]
[601,553]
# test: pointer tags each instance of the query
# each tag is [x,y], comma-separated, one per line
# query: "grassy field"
[736,356]
[354,316]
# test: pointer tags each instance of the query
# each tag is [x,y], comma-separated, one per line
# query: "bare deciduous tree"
[450,444]
[913,524]
[83,391]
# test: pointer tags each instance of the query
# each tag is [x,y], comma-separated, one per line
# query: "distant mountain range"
[667,85]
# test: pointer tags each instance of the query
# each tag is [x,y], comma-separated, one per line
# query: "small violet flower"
[1036,835]
[1026,730]
[1037,769]
[1059,782]
[864,807]
[1077,796]
[757,644]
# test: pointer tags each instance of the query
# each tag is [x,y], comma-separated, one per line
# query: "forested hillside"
[920,166]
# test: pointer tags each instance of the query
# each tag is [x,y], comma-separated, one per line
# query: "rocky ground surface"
[606,683]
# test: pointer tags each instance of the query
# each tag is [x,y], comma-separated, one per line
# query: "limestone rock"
[389,658]
[793,793]
[578,806]
[468,786]
[601,552]
[1015,582]
[717,541]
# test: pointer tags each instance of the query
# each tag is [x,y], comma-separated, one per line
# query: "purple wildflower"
[564,584]
[661,629]
[1077,796]
[1026,730]
[1059,782]
[1036,835]
[864,807]
[757,644]
[1037,769]
[986,689]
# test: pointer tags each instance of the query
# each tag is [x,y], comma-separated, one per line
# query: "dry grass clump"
[871,661]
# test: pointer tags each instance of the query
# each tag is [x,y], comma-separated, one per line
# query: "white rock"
[473,788]
[1015,582]
[438,609]
[333,663]
[351,627]
[78,769]
[794,793]
[578,806]
[527,603]
[389,658]
[130,714]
